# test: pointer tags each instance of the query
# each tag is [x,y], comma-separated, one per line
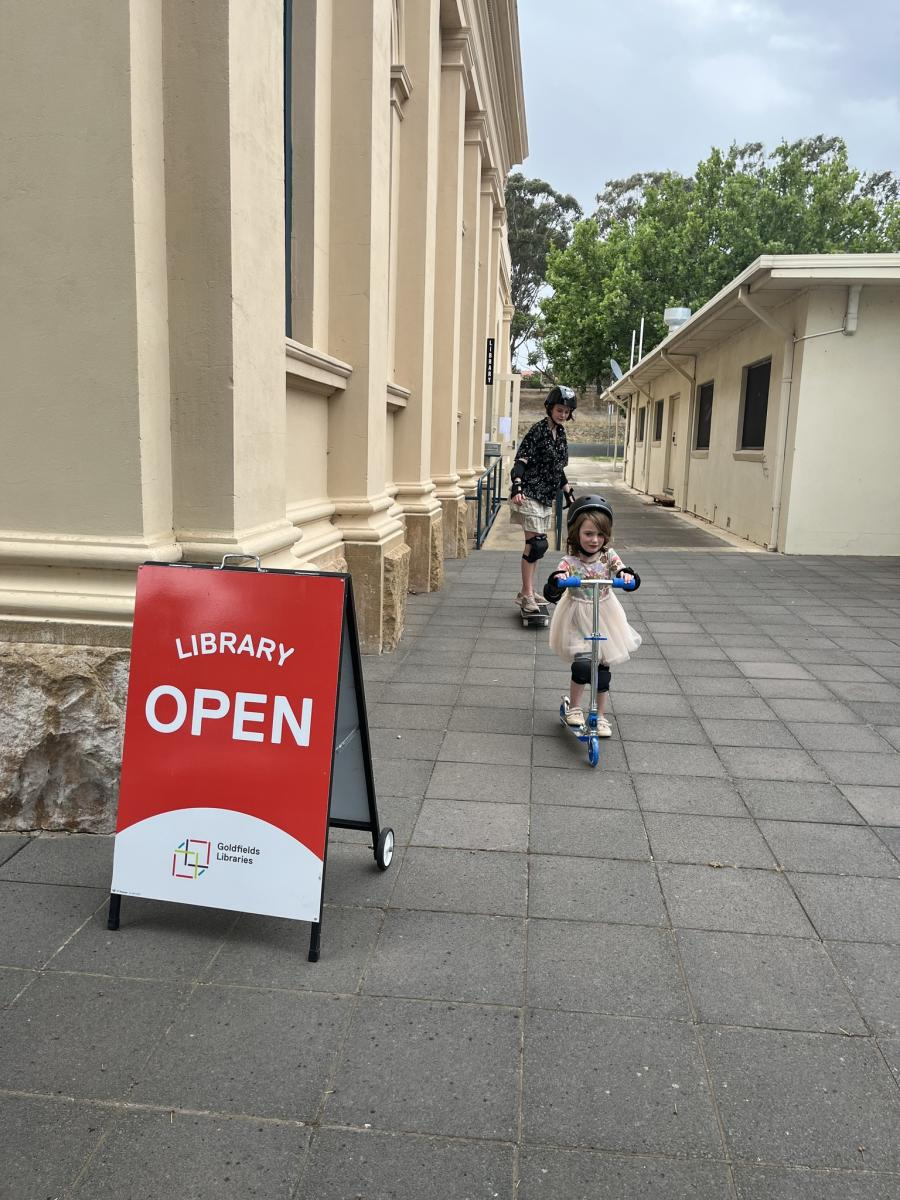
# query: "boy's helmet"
[562,395]
[587,504]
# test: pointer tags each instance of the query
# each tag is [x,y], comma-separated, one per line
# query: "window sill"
[397,397]
[749,455]
[314,371]
[699,454]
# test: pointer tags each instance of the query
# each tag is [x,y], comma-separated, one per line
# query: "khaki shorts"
[533,517]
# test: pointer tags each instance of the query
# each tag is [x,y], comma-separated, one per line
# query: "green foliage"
[539,219]
[658,240]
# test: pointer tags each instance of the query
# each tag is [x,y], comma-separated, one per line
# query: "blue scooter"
[588,731]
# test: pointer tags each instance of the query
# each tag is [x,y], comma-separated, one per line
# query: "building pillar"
[470,361]
[413,365]
[455,69]
[358,320]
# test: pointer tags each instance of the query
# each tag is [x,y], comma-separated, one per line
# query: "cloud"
[745,83]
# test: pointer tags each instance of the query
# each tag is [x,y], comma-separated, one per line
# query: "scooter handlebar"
[571,581]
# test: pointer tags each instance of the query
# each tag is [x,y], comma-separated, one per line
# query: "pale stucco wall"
[844,485]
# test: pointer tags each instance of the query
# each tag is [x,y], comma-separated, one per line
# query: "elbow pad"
[518,469]
[630,571]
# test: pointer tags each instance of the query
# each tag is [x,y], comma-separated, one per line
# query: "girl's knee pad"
[603,677]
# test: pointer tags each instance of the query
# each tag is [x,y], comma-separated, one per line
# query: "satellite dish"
[615,368]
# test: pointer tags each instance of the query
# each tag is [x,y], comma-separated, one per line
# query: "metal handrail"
[488,500]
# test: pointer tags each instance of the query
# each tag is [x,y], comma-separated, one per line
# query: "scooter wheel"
[384,851]
[594,751]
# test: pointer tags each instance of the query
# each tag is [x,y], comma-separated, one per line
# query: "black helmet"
[562,395]
[586,504]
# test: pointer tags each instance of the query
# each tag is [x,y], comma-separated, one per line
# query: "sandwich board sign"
[245,708]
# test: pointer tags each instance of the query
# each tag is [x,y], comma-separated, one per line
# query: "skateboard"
[540,618]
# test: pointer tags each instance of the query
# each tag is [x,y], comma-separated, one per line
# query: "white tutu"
[573,623]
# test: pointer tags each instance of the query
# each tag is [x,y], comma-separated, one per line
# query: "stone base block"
[424,536]
[455,528]
[380,583]
[396,585]
[62,714]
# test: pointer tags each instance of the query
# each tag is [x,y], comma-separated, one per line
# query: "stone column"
[470,376]
[455,68]
[358,325]
[415,299]
[225,213]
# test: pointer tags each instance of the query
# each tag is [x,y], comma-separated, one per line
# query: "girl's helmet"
[562,395]
[587,504]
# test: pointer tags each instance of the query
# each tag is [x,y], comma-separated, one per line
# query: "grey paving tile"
[786,800]
[494,748]
[597,833]
[418,693]
[548,1174]
[404,1167]
[471,825]
[645,758]
[872,973]
[607,1083]
[14,980]
[881,691]
[462,881]
[272,953]
[391,744]
[829,849]
[44,1143]
[563,751]
[449,956]
[657,683]
[732,708]
[891,838]
[409,716]
[203,1062]
[770,1183]
[732,900]
[352,877]
[831,712]
[38,918]
[770,1087]
[686,667]
[453,1069]
[661,729]
[748,733]
[512,698]
[685,794]
[877,770]
[729,841]
[766,981]
[845,908]
[586,889]
[732,687]
[622,970]
[843,737]
[433,672]
[395,812]
[648,704]
[791,689]
[402,776]
[877,805]
[488,720]
[12,843]
[155,940]
[744,762]
[228,1159]
[479,781]
[603,789]
[75,1054]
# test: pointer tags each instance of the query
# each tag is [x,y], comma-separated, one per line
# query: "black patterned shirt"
[545,457]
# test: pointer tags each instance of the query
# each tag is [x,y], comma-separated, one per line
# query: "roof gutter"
[787,371]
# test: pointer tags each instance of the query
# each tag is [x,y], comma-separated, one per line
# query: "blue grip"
[621,583]
[569,581]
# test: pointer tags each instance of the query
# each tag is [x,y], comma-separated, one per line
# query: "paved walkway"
[677,975]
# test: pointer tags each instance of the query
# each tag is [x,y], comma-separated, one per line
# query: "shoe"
[575,718]
[604,729]
[528,604]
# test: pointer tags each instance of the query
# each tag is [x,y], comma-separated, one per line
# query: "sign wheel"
[384,849]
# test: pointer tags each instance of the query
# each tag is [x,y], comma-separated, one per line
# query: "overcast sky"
[611,88]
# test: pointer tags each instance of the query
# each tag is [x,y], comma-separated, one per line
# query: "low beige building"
[774,411]
[255,250]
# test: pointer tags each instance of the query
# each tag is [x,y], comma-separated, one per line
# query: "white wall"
[845,479]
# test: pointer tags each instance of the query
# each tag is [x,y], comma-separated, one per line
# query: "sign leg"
[115,904]
[315,938]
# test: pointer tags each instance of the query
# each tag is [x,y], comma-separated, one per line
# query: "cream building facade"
[255,249]
[774,411]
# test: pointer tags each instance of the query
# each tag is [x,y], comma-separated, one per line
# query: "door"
[671,443]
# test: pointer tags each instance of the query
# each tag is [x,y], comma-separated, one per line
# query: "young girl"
[590,556]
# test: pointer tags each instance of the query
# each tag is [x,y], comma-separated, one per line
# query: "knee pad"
[536,548]
[581,669]
[603,677]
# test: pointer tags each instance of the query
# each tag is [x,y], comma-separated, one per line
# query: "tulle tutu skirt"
[573,622]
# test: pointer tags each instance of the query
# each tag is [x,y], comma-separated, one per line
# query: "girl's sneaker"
[575,718]
[604,729]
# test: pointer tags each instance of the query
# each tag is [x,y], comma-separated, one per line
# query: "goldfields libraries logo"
[190,859]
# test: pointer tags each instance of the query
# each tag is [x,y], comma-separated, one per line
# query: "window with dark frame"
[657,420]
[704,416]
[642,423]
[756,404]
